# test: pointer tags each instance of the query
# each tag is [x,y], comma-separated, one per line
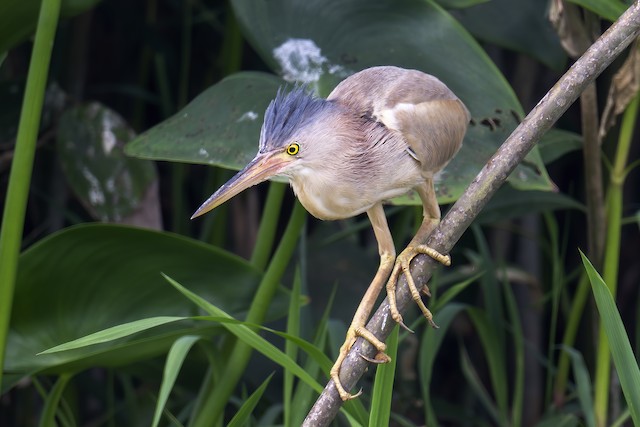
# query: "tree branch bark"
[491,177]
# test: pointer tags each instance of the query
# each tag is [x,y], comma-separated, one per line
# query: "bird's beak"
[261,168]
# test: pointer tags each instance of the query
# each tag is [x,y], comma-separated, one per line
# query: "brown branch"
[491,177]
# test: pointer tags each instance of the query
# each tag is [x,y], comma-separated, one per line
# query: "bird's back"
[428,115]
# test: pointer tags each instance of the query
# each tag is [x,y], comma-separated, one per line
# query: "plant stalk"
[612,254]
[20,176]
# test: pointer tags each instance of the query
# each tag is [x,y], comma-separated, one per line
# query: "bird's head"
[292,123]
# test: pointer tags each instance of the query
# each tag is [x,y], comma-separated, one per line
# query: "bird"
[381,133]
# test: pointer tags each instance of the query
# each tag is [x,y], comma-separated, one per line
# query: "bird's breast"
[331,194]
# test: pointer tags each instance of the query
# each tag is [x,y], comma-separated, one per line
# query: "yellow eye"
[293,148]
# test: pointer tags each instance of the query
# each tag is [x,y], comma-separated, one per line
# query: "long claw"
[379,358]
[406,328]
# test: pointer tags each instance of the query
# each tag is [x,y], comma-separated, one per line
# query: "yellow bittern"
[382,132]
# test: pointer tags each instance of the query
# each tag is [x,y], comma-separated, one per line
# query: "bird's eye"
[293,149]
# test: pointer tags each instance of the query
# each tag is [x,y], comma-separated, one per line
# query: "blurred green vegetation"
[141,110]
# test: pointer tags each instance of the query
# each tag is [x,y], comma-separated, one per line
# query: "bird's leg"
[357,327]
[415,247]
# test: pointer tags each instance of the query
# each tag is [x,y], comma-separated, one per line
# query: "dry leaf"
[623,89]
[567,20]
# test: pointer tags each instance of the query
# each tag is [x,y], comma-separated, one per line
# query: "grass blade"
[115,332]
[583,386]
[248,406]
[518,357]
[479,389]
[623,357]
[175,358]
[383,386]
[248,336]
[491,339]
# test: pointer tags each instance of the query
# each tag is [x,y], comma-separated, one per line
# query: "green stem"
[268,225]
[612,253]
[20,176]
[215,403]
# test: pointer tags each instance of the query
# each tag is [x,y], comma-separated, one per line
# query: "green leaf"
[509,203]
[113,333]
[90,146]
[243,414]
[520,25]
[459,4]
[220,127]
[560,420]
[383,385]
[248,336]
[175,358]
[556,143]
[608,9]
[453,291]
[495,360]
[518,374]
[52,400]
[623,357]
[91,277]
[583,385]
[480,391]
[244,333]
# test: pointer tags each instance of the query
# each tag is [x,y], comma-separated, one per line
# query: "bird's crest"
[287,114]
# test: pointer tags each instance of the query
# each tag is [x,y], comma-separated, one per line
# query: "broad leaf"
[219,127]
[608,9]
[519,25]
[92,277]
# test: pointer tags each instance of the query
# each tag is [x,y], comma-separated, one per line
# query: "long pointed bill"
[261,168]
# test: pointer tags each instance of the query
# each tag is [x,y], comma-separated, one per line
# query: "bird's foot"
[353,333]
[402,265]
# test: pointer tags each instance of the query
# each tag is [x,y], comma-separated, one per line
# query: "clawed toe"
[402,265]
[354,332]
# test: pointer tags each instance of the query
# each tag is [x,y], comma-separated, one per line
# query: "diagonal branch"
[491,177]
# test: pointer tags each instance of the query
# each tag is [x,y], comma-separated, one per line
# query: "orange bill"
[261,168]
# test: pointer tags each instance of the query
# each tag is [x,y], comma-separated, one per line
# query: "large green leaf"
[219,127]
[519,25]
[608,9]
[92,277]
[320,43]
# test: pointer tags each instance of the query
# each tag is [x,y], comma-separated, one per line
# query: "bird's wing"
[431,119]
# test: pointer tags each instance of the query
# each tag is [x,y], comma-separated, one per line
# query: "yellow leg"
[415,247]
[357,327]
